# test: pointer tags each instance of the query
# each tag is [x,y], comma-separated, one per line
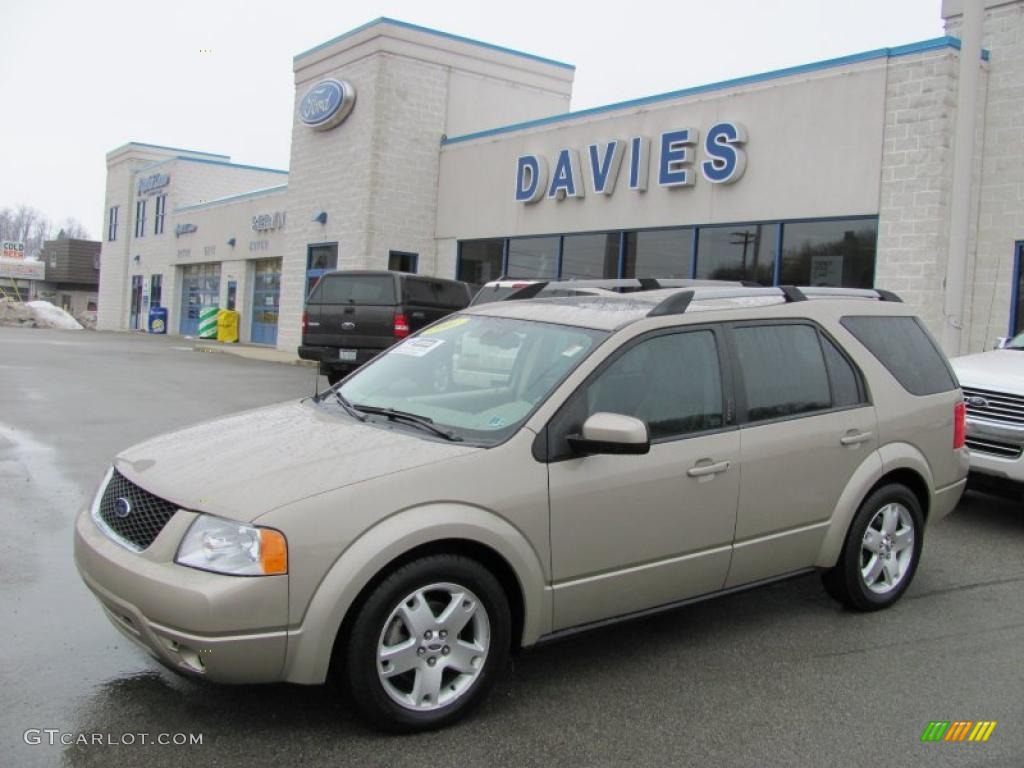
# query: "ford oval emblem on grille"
[348,326]
[122,507]
[977,402]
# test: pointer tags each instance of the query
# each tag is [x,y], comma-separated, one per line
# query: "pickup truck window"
[375,290]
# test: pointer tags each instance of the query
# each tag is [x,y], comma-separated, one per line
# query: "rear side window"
[906,349]
[435,293]
[370,290]
[783,371]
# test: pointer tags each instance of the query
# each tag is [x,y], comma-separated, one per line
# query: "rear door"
[806,425]
[354,311]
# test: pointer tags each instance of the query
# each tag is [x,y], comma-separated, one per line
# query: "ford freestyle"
[404,531]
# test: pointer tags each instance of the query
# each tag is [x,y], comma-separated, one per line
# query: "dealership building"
[899,168]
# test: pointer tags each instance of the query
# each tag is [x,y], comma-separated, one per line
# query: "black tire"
[367,690]
[846,582]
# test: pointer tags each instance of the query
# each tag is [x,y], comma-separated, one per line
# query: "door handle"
[702,470]
[313,325]
[855,438]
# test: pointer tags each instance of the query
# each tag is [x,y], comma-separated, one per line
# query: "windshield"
[1017,342]
[477,376]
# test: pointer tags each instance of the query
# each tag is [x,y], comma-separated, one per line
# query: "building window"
[480,261]
[156,289]
[839,253]
[402,261]
[320,258]
[140,218]
[590,256]
[533,257]
[659,253]
[158,216]
[738,252]
[112,223]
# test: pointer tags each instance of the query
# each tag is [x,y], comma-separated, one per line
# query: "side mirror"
[611,433]
[1001,342]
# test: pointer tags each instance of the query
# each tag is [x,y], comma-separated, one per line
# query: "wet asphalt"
[776,676]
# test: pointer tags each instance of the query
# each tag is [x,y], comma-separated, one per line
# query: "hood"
[1001,370]
[245,465]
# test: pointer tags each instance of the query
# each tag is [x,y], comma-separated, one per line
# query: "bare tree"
[30,226]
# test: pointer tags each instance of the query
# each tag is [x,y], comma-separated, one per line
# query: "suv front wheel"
[881,552]
[428,644]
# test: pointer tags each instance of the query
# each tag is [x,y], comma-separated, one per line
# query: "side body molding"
[310,645]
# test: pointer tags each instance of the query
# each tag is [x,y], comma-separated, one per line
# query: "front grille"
[996,406]
[1003,450]
[142,519]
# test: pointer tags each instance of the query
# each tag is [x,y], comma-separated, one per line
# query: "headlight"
[224,546]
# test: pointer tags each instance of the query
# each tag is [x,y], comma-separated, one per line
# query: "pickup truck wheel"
[428,643]
[881,552]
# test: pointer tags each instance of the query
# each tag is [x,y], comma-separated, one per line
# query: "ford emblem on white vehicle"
[976,402]
[122,507]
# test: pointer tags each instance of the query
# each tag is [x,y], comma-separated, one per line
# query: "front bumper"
[228,629]
[996,449]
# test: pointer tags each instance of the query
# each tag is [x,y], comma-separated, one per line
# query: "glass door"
[136,305]
[266,299]
[200,287]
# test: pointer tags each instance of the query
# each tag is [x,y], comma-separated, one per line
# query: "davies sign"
[724,162]
[326,104]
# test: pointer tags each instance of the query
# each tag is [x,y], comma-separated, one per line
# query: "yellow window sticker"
[447,325]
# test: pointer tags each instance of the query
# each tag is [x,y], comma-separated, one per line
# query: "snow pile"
[46,315]
[15,313]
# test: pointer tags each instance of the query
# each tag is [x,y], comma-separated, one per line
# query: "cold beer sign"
[597,167]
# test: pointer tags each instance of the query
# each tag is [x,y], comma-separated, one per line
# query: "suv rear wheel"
[881,552]
[428,644]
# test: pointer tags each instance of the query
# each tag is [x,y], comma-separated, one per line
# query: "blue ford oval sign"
[326,104]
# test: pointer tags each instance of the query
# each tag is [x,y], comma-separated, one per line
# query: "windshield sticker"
[447,325]
[496,421]
[417,347]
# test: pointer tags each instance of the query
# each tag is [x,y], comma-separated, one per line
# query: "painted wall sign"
[326,104]
[599,165]
[184,229]
[22,269]
[153,183]
[268,221]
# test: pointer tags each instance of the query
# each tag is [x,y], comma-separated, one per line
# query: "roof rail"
[679,302]
[527,291]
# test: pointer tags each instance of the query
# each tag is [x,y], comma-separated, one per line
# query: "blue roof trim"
[853,58]
[229,165]
[439,33]
[228,198]
[175,149]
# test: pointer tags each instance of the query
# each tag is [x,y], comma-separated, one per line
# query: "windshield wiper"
[411,418]
[349,408]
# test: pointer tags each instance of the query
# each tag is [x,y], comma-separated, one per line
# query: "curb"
[242,352]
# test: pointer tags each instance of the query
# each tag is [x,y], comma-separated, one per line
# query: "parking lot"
[777,676]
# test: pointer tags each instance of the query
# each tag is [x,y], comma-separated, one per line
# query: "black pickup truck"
[352,316]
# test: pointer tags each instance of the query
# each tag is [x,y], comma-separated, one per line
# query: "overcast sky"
[80,78]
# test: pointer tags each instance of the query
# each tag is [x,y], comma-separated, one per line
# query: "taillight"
[305,322]
[401,326]
[959,424]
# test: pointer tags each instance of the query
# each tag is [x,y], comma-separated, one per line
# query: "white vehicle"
[993,386]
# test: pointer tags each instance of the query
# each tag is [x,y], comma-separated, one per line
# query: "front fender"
[310,645]
[888,458]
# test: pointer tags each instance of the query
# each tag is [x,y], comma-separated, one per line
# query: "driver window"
[671,382]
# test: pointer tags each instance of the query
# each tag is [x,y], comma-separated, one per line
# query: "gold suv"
[408,528]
